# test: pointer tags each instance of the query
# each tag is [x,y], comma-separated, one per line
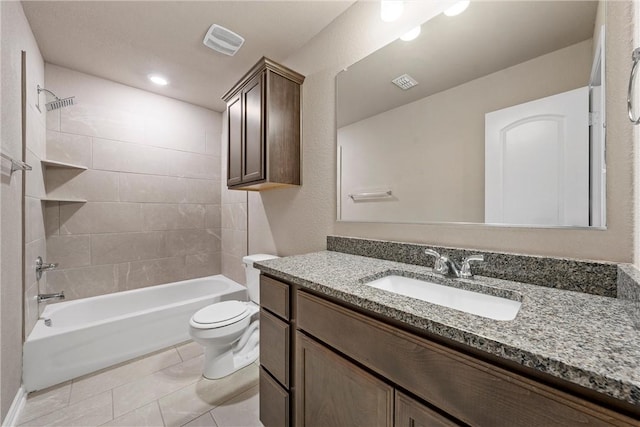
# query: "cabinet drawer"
[410,413]
[274,402]
[471,390]
[274,346]
[274,296]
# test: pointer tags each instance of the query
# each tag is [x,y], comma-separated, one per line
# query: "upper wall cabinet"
[263,118]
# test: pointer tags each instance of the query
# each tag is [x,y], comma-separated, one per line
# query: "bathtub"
[93,333]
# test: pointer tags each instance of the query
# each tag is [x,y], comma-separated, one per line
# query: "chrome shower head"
[57,103]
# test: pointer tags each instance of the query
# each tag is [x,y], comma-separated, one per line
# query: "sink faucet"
[448,267]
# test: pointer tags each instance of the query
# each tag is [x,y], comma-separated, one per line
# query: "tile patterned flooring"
[162,389]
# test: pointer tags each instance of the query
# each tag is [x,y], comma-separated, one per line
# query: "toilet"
[229,330]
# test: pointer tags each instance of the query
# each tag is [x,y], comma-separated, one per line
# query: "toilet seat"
[220,314]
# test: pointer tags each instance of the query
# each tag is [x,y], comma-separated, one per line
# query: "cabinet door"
[234,146]
[253,101]
[334,392]
[410,413]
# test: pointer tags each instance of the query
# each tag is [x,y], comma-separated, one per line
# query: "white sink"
[484,305]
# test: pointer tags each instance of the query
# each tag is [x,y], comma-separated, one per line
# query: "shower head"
[57,103]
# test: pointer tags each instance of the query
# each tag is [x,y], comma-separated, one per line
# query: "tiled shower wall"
[152,185]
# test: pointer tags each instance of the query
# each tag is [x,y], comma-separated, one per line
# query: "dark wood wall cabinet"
[263,122]
[346,368]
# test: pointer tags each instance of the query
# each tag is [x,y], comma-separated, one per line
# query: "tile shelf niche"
[57,164]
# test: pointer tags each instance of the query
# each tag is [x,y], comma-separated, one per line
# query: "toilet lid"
[216,315]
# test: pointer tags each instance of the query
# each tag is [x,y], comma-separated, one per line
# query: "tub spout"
[50,297]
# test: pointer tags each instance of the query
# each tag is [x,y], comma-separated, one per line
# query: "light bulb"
[390,10]
[158,79]
[457,8]
[411,34]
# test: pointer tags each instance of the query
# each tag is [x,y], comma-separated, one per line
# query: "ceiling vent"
[223,40]
[404,82]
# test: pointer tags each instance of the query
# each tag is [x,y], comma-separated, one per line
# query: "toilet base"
[218,365]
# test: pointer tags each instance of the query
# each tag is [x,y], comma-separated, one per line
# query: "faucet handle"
[432,253]
[465,271]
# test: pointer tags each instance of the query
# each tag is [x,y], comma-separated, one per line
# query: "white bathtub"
[93,333]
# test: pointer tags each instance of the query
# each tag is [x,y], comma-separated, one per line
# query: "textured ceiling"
[124,41]
[489,36]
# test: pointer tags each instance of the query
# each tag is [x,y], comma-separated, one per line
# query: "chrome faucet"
[41,267]
[50,297]
[448,267]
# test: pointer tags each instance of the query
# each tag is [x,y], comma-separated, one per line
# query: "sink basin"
[477,303]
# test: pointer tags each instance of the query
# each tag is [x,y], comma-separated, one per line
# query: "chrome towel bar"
[635,57]
[16,165]
[373,195]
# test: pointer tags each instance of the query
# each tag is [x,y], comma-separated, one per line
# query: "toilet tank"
[253,274]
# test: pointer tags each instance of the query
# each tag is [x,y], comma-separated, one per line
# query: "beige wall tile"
[213,216]
[161,132]
[31,312]
[35,177]
[186,242]
[83,282]
[69,251]
[34,219]
[126,157]
[94,384]
[68,148]
[102,121]
[151,188]
[140,274]
[97,186]
[122,247]
[193,165]
[53,120]
[214,142]
[232,267]
[173,216]
[190,402]
[202,191]
[234,242]
[202,265]
[32,251]
[51,218]
[232,196]
[36,134]
[234,216]
[99,217]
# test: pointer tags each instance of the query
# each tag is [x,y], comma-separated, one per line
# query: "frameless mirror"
[493,116]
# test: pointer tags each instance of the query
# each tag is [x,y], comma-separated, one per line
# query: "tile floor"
[162,389]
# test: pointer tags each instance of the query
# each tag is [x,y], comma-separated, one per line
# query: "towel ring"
[635,56]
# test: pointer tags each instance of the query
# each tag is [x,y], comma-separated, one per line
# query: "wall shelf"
[56,164]
[62,199]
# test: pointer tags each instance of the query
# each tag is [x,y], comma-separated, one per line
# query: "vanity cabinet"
[263,122]
[347,368]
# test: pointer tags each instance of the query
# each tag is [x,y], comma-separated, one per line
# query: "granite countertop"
[586,339]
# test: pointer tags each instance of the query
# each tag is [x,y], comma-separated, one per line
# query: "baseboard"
[16,408]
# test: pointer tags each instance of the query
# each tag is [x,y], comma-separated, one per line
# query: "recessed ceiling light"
[158,79]
[411,34]
[457,8]
[390,10]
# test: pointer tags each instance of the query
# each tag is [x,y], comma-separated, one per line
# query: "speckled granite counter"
[585,339]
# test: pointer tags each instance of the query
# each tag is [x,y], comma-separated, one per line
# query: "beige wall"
[16,36]
[300,219]
[436,170]
[152,185]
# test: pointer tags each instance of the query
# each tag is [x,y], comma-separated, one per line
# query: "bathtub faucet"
[50,297]
[41,267]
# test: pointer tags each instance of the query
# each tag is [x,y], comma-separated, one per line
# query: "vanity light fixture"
[457,8]
[158,79]
[390,10]
[411,34]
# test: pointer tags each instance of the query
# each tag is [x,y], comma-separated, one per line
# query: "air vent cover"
[404,82]
[223,40]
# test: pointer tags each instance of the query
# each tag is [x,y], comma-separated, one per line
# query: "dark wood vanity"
[325,363]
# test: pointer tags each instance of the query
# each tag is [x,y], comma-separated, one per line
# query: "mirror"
[505,124]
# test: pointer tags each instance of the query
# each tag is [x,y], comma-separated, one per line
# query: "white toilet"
[228,330]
